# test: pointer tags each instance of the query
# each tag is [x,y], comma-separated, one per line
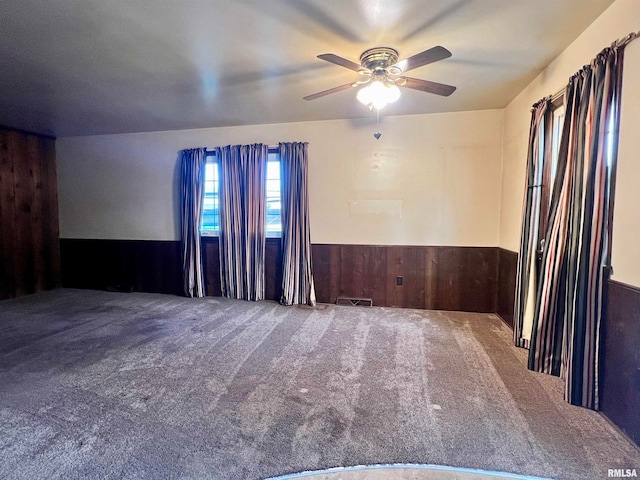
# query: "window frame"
[550,149]
[557,115]
[273,157]
[210,158]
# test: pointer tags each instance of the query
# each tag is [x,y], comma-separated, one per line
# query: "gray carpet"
[112,385]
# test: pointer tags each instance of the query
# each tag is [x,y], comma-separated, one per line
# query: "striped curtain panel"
[532,213]
[191,199]
[243,171]
[297,277]
[568,315]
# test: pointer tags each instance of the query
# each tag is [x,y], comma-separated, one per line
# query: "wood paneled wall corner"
[620,354]
[29,238]
[506,286]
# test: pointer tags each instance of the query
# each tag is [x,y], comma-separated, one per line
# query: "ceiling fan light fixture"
[380,69]
[378,94]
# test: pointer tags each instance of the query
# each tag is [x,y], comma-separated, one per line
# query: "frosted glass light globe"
[380,102]
[393,93]
[364,95]
[378,94]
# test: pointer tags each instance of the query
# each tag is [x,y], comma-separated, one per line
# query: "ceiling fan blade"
[429,87]
[343,62]
[328,92]
[423,58]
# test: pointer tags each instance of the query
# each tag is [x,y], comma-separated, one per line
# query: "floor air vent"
[353,302]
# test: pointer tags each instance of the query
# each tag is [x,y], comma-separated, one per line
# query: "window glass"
[558,122]
[274,203]
[610,138]
[211,207]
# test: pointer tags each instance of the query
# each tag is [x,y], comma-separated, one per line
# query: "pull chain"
[377,134]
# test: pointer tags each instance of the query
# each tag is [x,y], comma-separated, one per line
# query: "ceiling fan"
[381,70]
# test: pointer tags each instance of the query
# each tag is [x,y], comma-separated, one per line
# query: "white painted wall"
[429,180]
[617,21]
[626,222]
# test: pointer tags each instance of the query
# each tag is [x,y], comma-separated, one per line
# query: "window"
[611,138]
[211,207]
[549,145]
[274,204]
[558,122]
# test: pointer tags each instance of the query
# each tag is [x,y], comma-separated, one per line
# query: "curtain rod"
[628,39]
[622,41]
[270,147]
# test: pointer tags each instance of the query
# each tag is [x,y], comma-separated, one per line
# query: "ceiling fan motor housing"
[378,59]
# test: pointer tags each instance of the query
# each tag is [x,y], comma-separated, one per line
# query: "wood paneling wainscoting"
[152,266]
[620,381]
[29,246]
[436,278]
[441,278]
[507,267]
[272,268]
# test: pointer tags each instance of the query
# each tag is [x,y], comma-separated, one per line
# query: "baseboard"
[620,431]
[504,321]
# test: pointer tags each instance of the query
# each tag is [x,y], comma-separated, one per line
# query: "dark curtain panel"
[191,199]
[567,320]
[297,276]
[243,170]
[534,210]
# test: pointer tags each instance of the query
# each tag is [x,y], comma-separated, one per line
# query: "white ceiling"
[80,67]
